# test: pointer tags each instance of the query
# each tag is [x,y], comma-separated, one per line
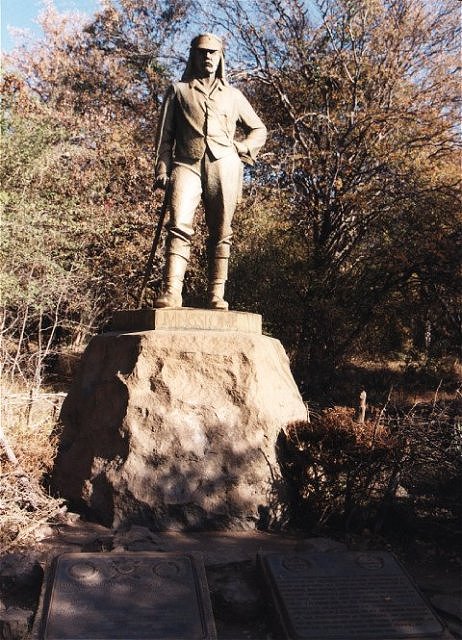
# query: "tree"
[356,197]
[78,133]
[361,101]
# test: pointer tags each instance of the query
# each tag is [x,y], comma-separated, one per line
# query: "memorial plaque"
[346,596]
[186,318]
[129,596]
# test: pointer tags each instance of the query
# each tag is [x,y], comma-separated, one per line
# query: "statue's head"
[205,57]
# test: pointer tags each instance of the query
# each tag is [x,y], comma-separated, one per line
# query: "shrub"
[342,472]
[27,450]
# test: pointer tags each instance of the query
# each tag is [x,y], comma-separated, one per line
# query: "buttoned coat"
[194,121]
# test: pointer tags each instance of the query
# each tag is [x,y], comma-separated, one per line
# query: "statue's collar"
[219,83]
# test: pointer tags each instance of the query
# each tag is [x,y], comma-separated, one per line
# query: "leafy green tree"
[42,240]
[79,120]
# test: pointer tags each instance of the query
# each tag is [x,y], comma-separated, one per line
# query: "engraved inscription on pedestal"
[142,596]
[186,318]
[346,596]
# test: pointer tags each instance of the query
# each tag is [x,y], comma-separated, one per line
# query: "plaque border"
[281,618]
[199,576]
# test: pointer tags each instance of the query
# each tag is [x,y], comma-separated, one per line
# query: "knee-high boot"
[218,274]
[175,268]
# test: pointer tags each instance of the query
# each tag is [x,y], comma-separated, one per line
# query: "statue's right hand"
[161,181]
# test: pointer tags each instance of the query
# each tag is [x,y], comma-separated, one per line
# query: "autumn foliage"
[350,225]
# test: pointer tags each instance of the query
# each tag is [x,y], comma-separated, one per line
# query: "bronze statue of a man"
[198,155]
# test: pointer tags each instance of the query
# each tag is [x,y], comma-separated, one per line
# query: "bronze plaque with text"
[346,596]
[142,596]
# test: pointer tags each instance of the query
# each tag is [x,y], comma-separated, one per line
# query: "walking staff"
[155,244]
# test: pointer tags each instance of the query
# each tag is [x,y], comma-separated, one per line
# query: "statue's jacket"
[194,121]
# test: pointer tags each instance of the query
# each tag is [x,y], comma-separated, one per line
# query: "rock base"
[177,429]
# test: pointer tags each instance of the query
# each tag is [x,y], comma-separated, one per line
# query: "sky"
[22,14]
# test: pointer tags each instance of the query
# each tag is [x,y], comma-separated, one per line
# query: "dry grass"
[28,419]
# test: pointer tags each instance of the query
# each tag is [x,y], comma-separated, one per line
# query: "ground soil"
[240,603]
[423,530]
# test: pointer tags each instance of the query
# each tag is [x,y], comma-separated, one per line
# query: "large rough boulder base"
[177,429]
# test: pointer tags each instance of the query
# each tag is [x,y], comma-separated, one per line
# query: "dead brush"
[338,470]
[27,450]
[432,433]
[342,471]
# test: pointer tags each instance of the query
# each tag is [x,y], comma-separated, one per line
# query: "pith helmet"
[207,41]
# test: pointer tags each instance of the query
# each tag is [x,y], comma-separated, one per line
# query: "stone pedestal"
[177,428]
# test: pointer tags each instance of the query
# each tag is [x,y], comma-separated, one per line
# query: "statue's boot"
[175,268]
[218,274]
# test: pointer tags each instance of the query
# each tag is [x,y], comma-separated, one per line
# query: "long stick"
[155,244]
[7,448]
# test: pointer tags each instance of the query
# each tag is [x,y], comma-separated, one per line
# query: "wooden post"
[362,406]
